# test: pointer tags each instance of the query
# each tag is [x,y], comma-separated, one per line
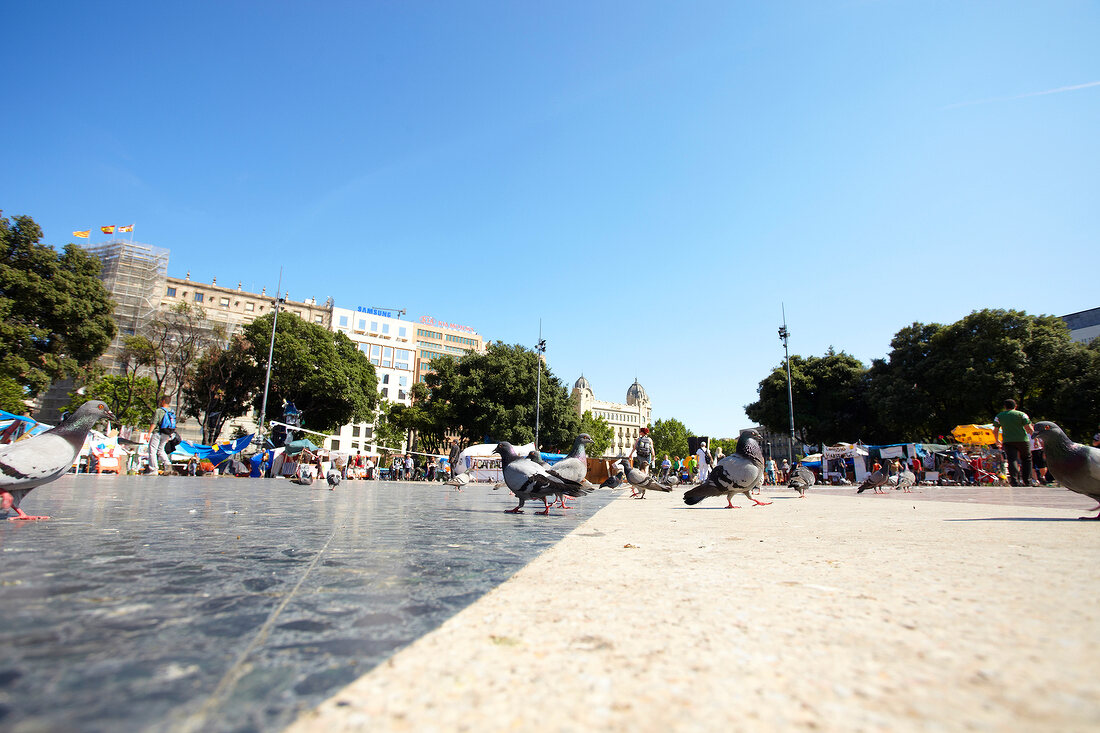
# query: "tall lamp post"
[270,352]
[784,334]
[540,350]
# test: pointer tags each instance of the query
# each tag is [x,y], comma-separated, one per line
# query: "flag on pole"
[84,234]
[126,229]
[108,230]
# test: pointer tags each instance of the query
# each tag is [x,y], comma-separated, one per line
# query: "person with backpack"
[160,432]
[704,459]
[643,446]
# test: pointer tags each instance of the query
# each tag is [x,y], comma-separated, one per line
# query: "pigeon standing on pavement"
[1077,467]
[905,480]
[43,458]
[458,481]
[738,473]
[333,477]
[615,476]
[801,478]
[528,480]
[574,467]
[641,481]
[875,481]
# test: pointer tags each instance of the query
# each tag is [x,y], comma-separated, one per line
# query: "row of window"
[402,381]
[223,302]
[617,417]
[361,325]
[462,340]
[429,334]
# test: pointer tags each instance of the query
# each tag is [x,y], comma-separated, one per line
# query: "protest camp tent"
[973,434]
[483,464]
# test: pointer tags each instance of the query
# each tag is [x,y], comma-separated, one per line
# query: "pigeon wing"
[35,461]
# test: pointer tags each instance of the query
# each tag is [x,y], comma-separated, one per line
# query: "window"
[403,332]
[375,350]
[198,297]
[362,324]
[224,302]
[365,348]
[403,381]
[249,307]
[354,431]
[385,379]
[344,321]
[401,354]
[318,319]
[298,313]
[171,292]
[385,328]
[354,445]
[368,432]
[374,326]
[335,444]
[386,392]
[400,394]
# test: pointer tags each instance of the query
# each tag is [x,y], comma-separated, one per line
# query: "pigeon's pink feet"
[23,516]
[760,503]
[731,505]
[517,510]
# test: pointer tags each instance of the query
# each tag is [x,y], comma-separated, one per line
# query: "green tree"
[220,386]
[129,396]
[669,436]
[491,396]
[727,445]
[600,431]
[828,399]
[323,373]
[55,314]
[390,427]
[171,342]
[429,419]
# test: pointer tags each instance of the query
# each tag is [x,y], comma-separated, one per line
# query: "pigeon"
[906,479]
[641,481]
[333,477]
[1077,467]
[537,458]
[574,467]
[304,476]
[43,458]
[529,480]
[738,473]
[458,481]
[874,481]
[615,476]
[801,478]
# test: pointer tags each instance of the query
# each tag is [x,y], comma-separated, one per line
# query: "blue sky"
[652,180]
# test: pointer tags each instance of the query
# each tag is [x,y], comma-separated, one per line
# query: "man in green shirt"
[1014,426]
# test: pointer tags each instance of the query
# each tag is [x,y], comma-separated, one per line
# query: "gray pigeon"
[615,478]
[1077,467]
[537,458]
[43,458]
[640,481]
[738,473]
[875,481]
[574,467]
[528,480]
[333,477]
[905,480]
[801,479]
[458,481]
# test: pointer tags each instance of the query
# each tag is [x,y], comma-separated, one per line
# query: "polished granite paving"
[223,604]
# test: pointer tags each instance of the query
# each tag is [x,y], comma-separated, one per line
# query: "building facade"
[389,343]
[1084,326]
[626,420]
[435,338]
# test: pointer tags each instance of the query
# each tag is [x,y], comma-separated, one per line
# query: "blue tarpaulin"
[216,454]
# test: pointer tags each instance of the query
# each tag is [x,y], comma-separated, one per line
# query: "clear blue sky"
[651,179]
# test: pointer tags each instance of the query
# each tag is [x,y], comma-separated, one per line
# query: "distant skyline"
[651,180]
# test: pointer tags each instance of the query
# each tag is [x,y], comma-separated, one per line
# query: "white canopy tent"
[483,464]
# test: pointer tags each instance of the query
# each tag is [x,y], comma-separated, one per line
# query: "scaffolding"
[135,274]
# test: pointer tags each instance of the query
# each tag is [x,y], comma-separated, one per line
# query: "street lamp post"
[784,334]
[540,350]
[270,352]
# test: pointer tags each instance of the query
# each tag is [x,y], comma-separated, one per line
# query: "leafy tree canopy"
[322,372]
[55,314]
[601,432]
[669,436]
[491,396]
[220,386]
[129,396]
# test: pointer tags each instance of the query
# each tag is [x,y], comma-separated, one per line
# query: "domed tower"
[636,397]
[583,396]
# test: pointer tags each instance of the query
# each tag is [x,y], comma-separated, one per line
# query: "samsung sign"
[374,311]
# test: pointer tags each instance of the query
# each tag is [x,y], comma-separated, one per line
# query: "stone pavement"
[920,611]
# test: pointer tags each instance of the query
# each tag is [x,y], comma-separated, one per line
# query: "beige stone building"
[626,420]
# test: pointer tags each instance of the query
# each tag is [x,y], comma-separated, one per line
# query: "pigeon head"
[506,451]
[1044,428]
[88,415]
[585,438]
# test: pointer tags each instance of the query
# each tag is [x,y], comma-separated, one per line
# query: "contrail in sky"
[1059,90]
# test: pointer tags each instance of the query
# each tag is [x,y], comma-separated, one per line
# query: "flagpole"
[270,353]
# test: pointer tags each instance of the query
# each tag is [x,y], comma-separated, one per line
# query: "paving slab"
[920,612]
[223,604]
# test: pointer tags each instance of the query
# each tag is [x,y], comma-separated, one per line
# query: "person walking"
[666,467]
[452,458]
[643,446]
[1014,427]
[160,431]
[703,457]
[769,467]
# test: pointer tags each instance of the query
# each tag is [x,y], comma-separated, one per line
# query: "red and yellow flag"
[126,229]
[84,234]
[108,230]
